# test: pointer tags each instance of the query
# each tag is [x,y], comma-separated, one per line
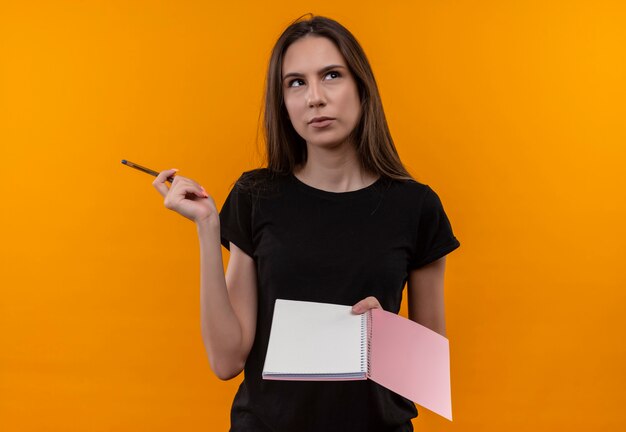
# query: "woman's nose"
[315,95]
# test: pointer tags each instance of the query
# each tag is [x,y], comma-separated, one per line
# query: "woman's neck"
[334,171]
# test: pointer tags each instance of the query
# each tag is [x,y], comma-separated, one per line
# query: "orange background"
[512,111]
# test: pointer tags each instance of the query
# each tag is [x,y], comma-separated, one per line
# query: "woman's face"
[317,83]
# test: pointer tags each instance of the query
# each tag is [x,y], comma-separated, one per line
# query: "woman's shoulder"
[410,187]
[414,195]
[259,180]
[252,175]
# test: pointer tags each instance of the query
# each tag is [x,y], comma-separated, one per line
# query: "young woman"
[333,218]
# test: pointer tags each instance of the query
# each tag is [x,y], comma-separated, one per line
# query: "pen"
[144,169]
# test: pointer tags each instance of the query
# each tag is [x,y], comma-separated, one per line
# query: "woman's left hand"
[366,304]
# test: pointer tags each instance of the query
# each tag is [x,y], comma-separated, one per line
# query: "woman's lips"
[322,123]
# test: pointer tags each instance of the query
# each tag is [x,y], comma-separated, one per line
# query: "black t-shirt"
[330,247]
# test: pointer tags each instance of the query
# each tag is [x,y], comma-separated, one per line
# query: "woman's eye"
[293,81]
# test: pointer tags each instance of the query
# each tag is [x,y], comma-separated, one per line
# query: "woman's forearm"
[425,296]
[221,330]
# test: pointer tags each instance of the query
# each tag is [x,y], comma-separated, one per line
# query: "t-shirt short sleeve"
[435,238]
[236,219]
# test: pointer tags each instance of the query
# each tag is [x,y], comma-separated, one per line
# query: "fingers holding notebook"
[366,304]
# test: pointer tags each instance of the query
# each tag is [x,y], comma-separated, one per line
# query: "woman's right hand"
[185,197]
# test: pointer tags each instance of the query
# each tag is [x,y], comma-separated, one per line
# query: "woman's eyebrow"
[324,69]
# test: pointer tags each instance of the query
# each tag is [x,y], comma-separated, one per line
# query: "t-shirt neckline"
[330,194]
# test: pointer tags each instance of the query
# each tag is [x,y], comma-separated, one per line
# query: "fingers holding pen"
[185,196]
[159,181]
[185,188]
[179,184]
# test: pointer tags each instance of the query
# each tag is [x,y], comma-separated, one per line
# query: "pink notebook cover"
[411,360]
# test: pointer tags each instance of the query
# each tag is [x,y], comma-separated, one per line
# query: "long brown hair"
[374,145]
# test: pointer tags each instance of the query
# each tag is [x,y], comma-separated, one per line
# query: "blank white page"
[314,338]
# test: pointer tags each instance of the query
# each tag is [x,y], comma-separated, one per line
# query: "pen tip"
[123,161]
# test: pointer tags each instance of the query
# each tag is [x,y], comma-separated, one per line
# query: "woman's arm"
[425,296]
[228,305]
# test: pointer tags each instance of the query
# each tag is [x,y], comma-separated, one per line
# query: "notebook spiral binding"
[364,347]
[369,340]
[366,339]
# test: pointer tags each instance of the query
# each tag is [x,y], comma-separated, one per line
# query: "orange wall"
[512,111]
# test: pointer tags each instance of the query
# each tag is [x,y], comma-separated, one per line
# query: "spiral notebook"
[323,342]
